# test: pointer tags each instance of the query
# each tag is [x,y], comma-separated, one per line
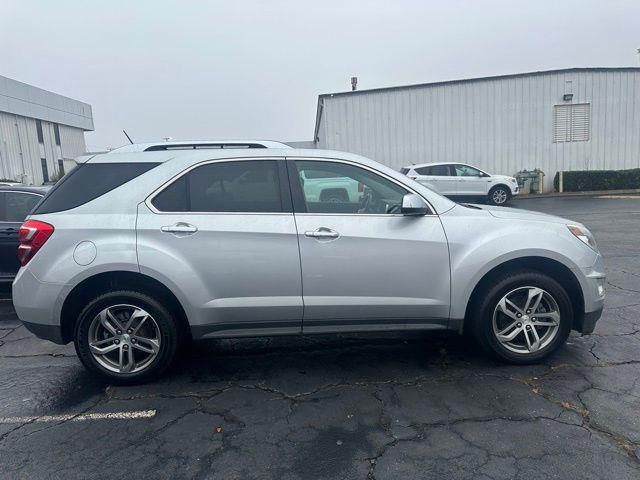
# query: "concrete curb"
[577,194]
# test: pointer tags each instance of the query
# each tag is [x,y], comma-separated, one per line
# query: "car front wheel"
[523,318]
[499,196]
[126,337]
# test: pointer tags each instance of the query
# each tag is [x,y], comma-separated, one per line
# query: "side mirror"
[413,204]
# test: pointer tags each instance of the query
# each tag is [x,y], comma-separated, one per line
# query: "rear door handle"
[180,229]
[322,232]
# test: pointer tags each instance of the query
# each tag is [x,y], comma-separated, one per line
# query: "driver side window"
[467,171]
[333,187]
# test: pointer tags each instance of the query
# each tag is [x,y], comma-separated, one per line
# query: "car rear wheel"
[499,195]
[523,318]
[126,337]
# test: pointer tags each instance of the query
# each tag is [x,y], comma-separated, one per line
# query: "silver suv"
[132,254]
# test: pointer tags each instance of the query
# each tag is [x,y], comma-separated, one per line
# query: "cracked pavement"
[349,406]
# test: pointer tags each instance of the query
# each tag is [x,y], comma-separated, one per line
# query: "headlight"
[583,235]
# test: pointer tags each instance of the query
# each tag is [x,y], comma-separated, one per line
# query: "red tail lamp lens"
[33,235]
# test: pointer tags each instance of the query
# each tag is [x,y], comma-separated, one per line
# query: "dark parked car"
[15,204]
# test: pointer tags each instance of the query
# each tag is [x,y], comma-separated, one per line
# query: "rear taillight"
[33,235]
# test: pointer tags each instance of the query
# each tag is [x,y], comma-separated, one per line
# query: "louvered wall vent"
[572,122]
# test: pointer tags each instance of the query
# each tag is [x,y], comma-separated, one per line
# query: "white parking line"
[83,417]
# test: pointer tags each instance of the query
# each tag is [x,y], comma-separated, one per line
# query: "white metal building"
[40,132]
[573,119]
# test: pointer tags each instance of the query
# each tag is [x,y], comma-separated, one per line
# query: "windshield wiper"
[468,205]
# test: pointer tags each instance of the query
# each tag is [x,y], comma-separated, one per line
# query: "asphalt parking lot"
[406,406]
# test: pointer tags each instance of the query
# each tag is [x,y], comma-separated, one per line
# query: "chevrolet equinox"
[131,254]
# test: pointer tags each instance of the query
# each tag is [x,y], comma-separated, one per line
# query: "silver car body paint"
[258,273]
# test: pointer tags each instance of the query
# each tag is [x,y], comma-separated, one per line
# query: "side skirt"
[258,329]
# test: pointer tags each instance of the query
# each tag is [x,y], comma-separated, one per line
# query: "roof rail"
[198,145]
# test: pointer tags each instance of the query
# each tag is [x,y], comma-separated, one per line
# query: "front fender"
[479,242]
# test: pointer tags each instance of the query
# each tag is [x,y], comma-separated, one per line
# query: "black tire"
[487,300]
[169,336]
[497,193]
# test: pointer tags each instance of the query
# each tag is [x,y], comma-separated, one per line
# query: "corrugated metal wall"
[21,153]
[502,125]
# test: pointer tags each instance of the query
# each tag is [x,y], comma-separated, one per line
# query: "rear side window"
[241,186]
[436,171]
[404,170]
[87,182]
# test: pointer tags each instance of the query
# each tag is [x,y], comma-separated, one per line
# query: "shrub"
[585,180]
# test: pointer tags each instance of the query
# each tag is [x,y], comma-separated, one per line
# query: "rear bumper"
[38,304]
[52,333]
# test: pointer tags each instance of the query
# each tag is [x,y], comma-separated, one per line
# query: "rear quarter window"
[87,182]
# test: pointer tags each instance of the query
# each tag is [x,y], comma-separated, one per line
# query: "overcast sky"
[241,69]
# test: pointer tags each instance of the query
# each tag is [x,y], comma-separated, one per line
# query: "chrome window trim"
[156,192]
[26,193]
[373,170]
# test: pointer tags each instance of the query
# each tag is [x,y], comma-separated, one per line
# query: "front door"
[223,235]
[364,265]
[471,181]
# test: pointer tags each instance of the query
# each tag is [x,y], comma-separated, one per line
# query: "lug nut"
[518,315]
[129,331]
[125,346]
[528,311]
[133,340]
[528,327]
[533,319]
[116,341]
[519,325]
[119,332]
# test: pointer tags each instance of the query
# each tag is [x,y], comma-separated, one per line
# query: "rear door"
[224,235]
[365,266]
[14,208]
[440,178]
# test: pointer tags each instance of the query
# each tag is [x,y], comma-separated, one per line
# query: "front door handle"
[322,232]
[180,229]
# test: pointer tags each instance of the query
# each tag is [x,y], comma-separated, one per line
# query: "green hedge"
[585,180]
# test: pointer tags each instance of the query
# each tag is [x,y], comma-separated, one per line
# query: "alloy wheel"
[526,320]
[124,339]
[499,196]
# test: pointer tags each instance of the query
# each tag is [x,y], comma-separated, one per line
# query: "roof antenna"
[128,137]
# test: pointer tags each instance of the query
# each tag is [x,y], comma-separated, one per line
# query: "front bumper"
[593,281]
[587,324]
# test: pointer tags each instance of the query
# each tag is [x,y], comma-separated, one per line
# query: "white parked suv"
[131,254]
[462,180]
